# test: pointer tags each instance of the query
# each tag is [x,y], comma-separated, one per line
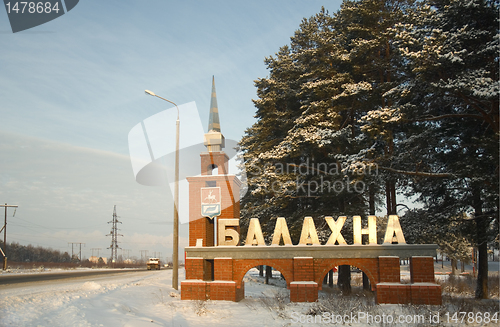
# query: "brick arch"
[241,267]
[368,266]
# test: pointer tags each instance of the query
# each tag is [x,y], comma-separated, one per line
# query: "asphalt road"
[30,278]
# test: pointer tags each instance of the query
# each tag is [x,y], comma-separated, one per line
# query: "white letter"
[281,230]
[224,233]
[335,227]
[393,227]
[371,231]
[254,235]
[308,234]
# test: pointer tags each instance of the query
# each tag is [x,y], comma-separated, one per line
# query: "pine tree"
[336,70]
[450,104]
[411,88]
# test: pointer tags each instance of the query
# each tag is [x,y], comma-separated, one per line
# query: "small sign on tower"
[210,202]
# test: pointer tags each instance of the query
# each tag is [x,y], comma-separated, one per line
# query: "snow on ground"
[146,298]
[143,298]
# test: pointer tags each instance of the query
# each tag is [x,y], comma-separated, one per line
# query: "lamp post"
[175,255]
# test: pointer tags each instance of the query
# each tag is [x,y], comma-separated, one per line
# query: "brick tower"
[215,194]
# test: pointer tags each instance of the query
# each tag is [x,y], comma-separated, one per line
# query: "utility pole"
[145,252]
[114,236]
[4,228]
[175,255]
[79,254]
[81,251]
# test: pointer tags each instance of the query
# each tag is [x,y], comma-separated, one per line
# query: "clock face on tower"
[210,202]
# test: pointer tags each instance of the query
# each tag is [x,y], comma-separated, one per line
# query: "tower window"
[212,169]
[210,184]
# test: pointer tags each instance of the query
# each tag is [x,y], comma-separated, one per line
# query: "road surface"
[10,279]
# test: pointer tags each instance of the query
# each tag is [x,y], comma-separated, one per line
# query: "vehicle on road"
[153,263]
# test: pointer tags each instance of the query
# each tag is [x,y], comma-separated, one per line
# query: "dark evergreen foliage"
[407,88]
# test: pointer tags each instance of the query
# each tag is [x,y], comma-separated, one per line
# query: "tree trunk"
[330,278]
[268,273]
[261,271]
[388,195]
[482,245]
[371,208]
[344,279]
[371,199]
[393,198]
[453,266]
[482,261]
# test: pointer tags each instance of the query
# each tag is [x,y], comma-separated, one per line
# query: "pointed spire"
[213,122]
[213,139]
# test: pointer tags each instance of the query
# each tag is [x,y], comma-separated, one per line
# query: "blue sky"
[72,89]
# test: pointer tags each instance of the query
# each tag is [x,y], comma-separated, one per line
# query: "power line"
[98,249]
[79,253]
[114,236]
[128,252]
[52,228]
[144,252]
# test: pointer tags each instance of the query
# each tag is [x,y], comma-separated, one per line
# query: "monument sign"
[216,271]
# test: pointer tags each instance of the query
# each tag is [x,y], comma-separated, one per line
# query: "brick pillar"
[225,291]
[223,268]
[389,270]
[194,268]
[303,269]
[303,292]
[422,270]
[194,290]
[393,293]
[424,289]
[303,288]
[426,293]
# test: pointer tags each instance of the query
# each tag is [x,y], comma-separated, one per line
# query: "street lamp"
[175,255]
